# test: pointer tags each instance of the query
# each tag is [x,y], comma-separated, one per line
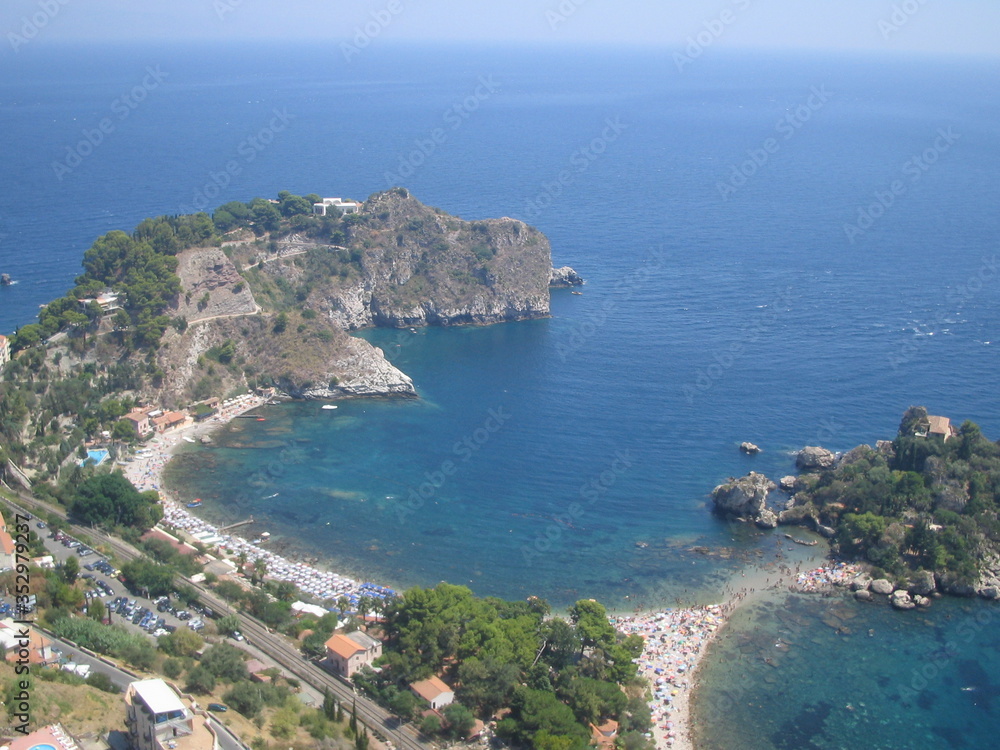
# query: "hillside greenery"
[556,676]
[929,504]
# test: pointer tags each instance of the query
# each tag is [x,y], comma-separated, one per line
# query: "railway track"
[286,655]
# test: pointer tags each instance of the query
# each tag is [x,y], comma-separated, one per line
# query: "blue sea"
[784,249]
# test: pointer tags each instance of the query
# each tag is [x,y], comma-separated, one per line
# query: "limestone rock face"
[787,483]
[950,584]
[881,586]
[749,448]
[744,497]
[922,583]
[812,457]
[921,601]
[563,277]
[767,519]
[900,599]
[861,583]
[863,595]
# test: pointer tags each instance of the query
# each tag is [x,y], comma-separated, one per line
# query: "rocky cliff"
[275,309]
[406,264]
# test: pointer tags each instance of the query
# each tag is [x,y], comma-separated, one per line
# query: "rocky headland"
[919,513]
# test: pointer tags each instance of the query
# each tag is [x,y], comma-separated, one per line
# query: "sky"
[929,26]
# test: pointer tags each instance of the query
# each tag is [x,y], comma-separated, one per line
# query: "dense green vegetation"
[556,676]
[929,504]
[111,501]
[48,406]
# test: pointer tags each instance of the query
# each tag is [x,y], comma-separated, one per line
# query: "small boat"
[576,293]
[195,504]
[189,439]
[328,406]
[270,496]
[261,419]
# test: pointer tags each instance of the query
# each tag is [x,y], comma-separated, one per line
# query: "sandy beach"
[676,639]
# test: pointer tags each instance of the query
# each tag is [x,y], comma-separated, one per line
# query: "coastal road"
[279,648]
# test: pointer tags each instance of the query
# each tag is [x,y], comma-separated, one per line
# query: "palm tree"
[364,607]
[343,604]
[241,561]
[259,570]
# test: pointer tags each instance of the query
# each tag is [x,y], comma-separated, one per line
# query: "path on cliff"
[258,311]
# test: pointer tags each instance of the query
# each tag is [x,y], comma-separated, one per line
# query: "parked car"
[237,636]
[218,707]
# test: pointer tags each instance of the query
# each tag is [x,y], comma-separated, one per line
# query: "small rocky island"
[921,511]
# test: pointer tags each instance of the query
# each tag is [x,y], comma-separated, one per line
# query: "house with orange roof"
[7,546]
[604,736]
[433,691]
[169,420]
[16,638]
[348,653]
[139,419]
[941,427]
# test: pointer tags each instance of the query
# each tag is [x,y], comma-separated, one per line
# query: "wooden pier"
[236,525]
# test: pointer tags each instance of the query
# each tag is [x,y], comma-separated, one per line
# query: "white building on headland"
[346,207]
[4,350]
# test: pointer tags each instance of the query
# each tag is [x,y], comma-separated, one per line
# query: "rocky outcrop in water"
[746,497]
[564,277]
[812,457]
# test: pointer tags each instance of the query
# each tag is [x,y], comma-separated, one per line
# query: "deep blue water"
[712,315]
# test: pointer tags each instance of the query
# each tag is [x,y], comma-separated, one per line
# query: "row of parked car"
[195,623]
[102,566]
[130,610]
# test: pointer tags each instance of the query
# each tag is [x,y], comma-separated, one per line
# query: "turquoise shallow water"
[809,672]
[706,320]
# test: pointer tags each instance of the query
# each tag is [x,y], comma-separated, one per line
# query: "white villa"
[346,207]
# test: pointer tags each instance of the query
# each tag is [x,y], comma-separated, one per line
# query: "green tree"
[70,570]
[460,720]
[403,704]
[200,680]
[245,697]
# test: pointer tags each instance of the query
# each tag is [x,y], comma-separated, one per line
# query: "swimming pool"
[96,458]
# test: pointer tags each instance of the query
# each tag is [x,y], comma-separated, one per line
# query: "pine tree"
[329,705]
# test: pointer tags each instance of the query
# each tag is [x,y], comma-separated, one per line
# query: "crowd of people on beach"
[819,579]
[674,641]
[321,584]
